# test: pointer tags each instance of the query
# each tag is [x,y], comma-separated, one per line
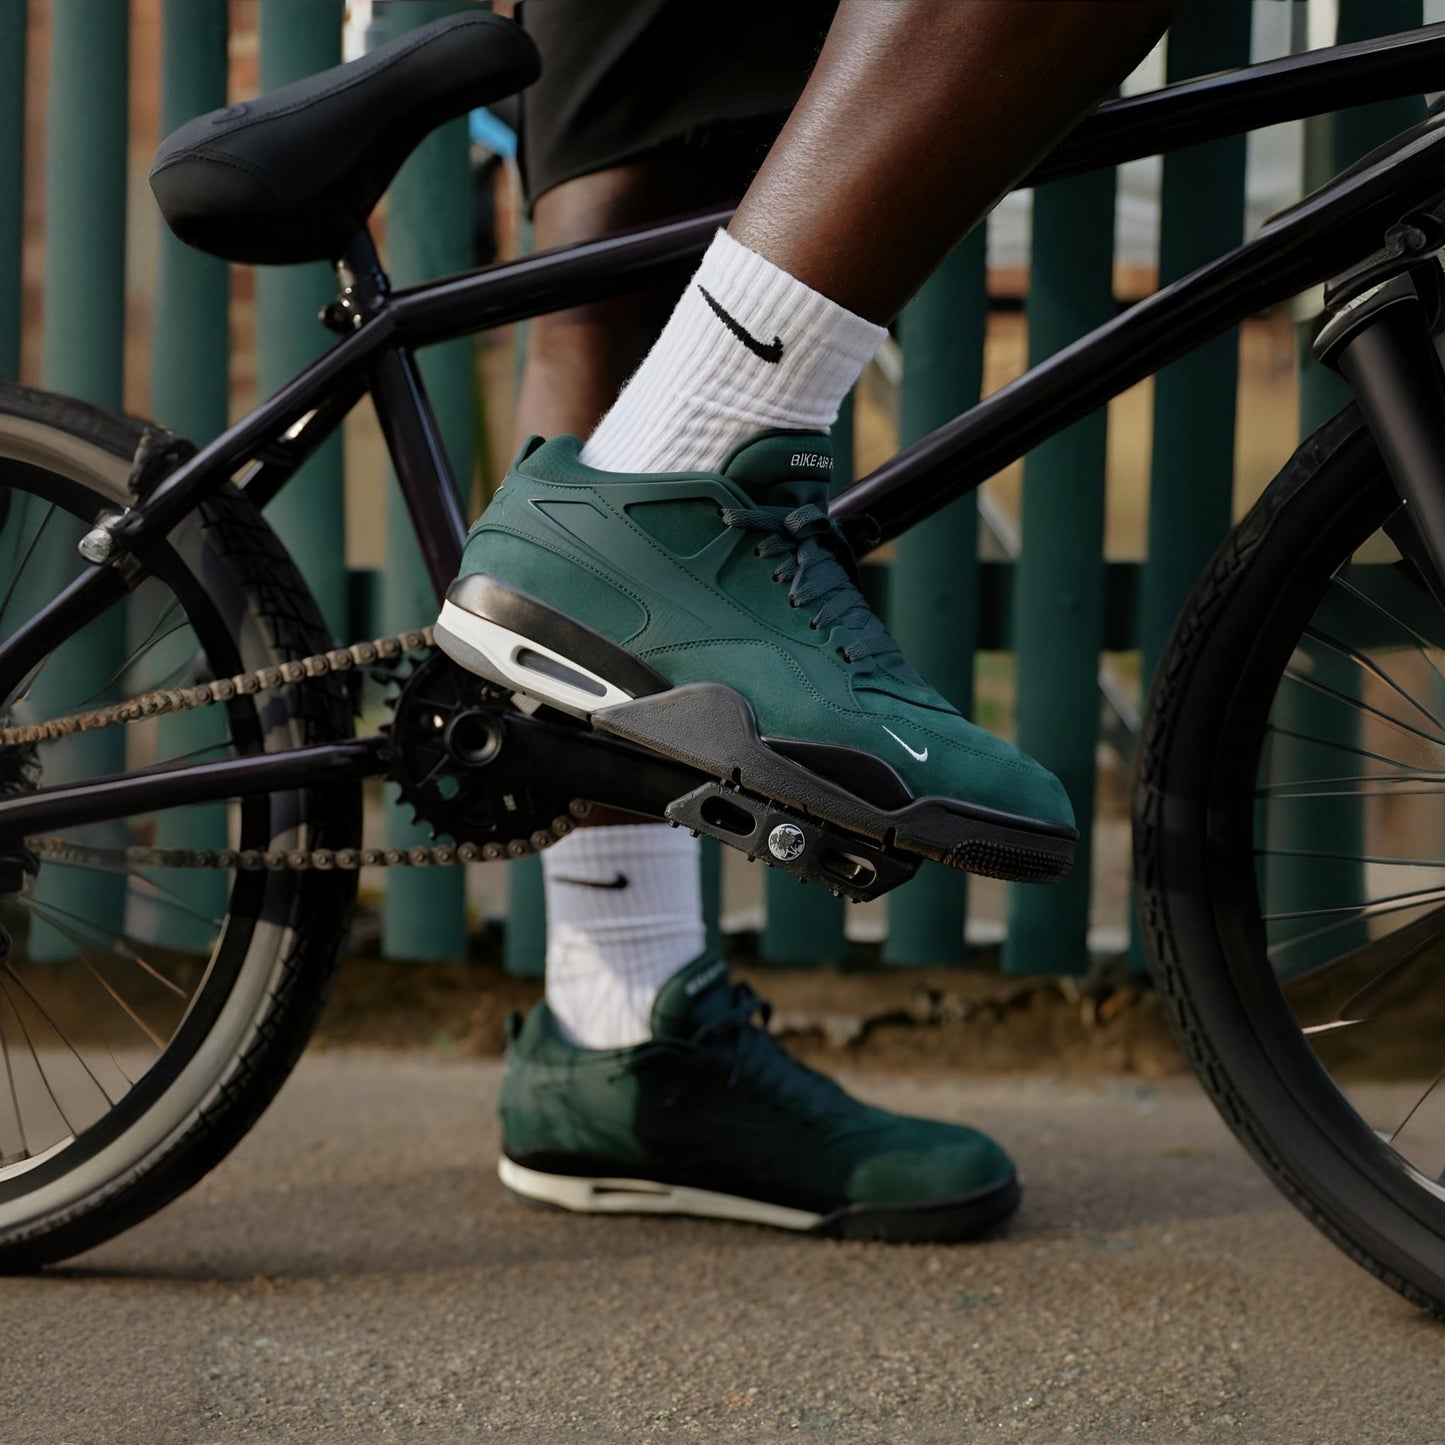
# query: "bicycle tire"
[212,1097]
[1199,910]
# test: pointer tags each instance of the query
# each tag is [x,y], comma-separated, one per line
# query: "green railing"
[1056,608]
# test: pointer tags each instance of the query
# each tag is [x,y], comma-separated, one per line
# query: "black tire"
[1195,873]
[249,1020]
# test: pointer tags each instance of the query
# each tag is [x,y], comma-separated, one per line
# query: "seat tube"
[420,459]
[1388,356]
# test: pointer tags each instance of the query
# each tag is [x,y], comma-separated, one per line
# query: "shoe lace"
[819,564]
[757,1056]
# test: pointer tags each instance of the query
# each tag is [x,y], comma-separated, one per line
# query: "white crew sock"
[610,947]
[702,389]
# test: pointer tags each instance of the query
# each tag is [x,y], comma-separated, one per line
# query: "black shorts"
[712,80]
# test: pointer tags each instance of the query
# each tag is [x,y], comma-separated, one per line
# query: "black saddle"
[292,176]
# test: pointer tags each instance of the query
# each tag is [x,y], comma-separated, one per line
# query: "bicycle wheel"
[148,1013]
[1290,853]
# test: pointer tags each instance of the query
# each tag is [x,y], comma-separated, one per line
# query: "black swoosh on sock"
[771,352]
[620,881]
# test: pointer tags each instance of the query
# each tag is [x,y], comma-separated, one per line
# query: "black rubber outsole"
[711,727]
[946,1221]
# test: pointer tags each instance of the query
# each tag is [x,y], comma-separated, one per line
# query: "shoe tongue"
[692,997]
[783,468]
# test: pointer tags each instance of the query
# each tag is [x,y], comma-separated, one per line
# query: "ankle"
[748,348]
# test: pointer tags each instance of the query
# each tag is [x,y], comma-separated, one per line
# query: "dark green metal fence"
[1055,608]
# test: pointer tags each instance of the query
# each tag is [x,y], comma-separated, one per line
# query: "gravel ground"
[354,1273]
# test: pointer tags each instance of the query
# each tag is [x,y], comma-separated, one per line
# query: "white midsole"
[645,1196]
[503,654]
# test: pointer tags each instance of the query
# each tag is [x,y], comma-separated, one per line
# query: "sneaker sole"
[943,1221]
[509,637]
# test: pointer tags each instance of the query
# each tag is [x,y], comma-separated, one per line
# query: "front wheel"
[1289,819]
[148,1013]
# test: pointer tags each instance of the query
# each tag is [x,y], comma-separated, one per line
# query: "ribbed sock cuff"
[749,348]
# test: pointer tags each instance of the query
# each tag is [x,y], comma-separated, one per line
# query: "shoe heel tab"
[526,449]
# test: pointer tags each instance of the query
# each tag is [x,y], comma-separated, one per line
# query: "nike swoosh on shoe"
[917,757]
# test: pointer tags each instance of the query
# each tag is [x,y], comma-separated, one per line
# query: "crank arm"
[121,795]
[583,764]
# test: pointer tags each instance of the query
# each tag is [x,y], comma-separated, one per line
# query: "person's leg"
[917,118]
[712,616]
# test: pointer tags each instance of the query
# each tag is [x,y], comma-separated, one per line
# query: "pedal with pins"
[813,852]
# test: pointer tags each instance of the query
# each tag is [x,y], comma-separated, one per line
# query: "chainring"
[449,761]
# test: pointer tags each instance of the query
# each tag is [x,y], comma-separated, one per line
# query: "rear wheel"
[148,1013]
[1290,853]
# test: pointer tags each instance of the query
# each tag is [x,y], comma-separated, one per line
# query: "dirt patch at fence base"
[955,1019]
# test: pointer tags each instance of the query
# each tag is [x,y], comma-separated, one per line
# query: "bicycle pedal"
[811,851]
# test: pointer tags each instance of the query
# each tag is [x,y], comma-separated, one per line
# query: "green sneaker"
[715,619]
[712,1118]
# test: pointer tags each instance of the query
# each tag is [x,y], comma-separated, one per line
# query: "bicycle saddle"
[293,175]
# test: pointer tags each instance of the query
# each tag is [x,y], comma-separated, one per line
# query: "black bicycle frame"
[1303,246]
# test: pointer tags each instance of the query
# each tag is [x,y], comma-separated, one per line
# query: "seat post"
[363,285]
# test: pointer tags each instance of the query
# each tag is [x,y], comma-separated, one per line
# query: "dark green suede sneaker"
[712,1118]
[715,619]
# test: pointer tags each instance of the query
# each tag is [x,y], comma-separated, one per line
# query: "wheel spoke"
[7,971]
[1422,644]
[152,639]
[1274,730]
[1373,669]
[53,914]
[1354,978]
[14,1091]
[1279,790]
[1370,909]
[1415,1108]
[25,559]
[1367,709]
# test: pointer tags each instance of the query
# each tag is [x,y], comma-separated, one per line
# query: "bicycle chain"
[247,684]
[223,689]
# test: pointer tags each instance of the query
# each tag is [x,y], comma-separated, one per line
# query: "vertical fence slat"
[190,343]
[12,182]
[1202,215]
[190,393]
[1060,588]
[85,200]
[524,955]
[428,234]
[298,38]
[83,355]
[933,583]
[804,923]
[1191,476]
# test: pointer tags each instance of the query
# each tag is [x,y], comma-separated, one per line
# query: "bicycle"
[1331,589]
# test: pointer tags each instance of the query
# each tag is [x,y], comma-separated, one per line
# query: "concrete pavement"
[354,1273]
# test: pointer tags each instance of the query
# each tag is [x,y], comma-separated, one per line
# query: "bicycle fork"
[1380,338]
